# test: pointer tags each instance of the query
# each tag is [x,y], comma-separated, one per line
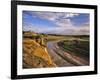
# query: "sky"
[63,23]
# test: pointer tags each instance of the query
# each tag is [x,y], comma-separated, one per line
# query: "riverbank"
[58,60]
[62,58]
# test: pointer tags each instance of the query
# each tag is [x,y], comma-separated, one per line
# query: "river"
[62,58]
[57,59]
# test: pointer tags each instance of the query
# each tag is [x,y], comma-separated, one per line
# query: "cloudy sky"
[63,23]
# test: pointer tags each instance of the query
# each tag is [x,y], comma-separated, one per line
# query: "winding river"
[58,60]
[61,58]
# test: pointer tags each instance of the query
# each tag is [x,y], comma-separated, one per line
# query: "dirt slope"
[35,55]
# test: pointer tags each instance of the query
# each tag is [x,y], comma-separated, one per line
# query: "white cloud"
[61,19]
[83,30]
[53,16]
[63,23]
[30,27]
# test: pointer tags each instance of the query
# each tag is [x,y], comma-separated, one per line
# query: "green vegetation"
[39,38]
[35,54]
[78,47]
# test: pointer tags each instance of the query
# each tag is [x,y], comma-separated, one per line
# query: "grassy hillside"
[78,47]
[35,55]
